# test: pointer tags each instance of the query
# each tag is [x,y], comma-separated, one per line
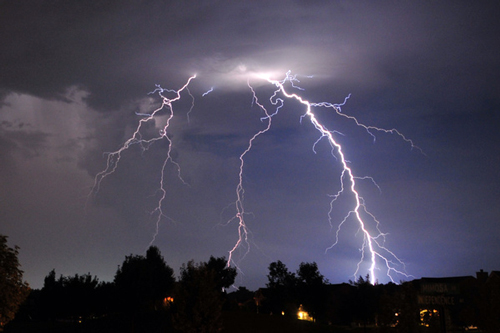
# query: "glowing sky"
[73,75]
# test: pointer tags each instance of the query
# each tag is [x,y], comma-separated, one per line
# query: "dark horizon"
[140,301]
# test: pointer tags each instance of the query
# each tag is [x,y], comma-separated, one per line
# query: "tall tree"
[199,297]
[279,276]
[224,275]
[144,282]
[13,290]
[308,273]
[282,289]
[51,297]
[310,290]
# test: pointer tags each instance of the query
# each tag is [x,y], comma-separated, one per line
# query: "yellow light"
[167,301]
[304,315]
[425,316]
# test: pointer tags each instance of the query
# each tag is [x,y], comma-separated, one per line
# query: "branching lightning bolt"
[113,158]
[373,244]
[240,191]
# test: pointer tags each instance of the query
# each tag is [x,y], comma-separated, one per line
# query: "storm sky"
[74,75]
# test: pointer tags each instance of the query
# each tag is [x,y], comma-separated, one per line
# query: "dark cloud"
[74,75]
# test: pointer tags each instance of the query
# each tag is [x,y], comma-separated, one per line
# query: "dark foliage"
[224,275]
[74,298]
[282,291]
[241,299]
[340,304]
[143,282]
[365,300]
[406,304]
[13,290]
[311,291]
[279,276]
[199,296]
[139,301]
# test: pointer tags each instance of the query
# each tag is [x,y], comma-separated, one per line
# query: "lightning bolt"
[373,242]
[207,92]
[113,158]
[243,231]
[373,245]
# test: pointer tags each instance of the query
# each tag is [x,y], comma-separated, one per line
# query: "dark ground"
[243,322]
[234,321]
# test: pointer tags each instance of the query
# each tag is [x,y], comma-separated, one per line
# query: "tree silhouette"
[199,297]
[51,297]
[365,301]
[13,290]
[224,275]
[311,290]
[143,282]
[282,289]
[73,297]
[80,295]
[279,276]
[308,273]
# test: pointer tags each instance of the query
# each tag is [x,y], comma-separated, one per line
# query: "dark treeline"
[454,304]
[356,303]
[145,296]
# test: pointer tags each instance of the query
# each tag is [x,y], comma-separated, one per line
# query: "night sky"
[73,75]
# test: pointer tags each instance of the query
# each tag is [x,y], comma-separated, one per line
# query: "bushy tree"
[224,275]
[73,297]
[51,297]
[311,290]
[308,274]
[80,294]
[199,296]
[13,290]
[282,289]
[144,282]
[279,276]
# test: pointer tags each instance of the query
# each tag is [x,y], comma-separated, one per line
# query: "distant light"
[304,315]
[167,301]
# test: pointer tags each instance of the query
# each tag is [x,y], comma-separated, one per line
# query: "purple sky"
[74,74]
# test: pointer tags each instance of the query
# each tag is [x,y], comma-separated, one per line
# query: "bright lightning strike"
[373,243]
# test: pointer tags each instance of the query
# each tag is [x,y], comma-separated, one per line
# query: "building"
[452,304]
